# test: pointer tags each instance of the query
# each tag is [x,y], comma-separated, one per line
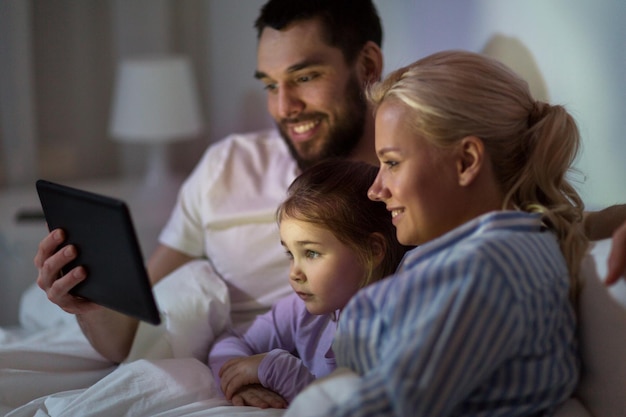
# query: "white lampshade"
[155,100]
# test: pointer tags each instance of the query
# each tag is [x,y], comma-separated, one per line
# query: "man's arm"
[112,333]
[163,261]
[603,223]
[109,332]
[617,256]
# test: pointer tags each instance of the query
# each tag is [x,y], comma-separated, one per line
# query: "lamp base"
[157,167]
[159,184]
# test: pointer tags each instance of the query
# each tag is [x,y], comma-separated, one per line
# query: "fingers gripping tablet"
[101,229]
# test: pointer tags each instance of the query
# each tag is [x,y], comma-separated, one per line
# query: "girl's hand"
[239,372]
[258,396]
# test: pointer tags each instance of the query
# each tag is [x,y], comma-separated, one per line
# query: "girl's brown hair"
[333,195]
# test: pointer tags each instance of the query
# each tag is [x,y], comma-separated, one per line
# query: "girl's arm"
[278,370]
[268,352]
[268,331]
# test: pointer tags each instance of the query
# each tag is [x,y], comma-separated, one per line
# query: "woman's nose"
[375,191]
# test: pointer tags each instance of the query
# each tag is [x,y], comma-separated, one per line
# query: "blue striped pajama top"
[474,323]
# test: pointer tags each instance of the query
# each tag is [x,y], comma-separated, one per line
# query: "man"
[314,69]
[227,206]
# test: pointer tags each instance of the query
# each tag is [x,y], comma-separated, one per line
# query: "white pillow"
[36,312]
[324,393]
[195,308]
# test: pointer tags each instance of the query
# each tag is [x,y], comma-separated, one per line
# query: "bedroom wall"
[62,54]
[573,50]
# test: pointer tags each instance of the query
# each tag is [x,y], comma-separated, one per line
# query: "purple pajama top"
[298,345]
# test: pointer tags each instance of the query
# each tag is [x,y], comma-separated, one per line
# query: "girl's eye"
[390,164]
[289,255]
[311,254]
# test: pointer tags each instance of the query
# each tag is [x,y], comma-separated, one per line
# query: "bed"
[47,368]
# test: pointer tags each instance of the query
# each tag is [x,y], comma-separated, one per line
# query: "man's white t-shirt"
[226,212]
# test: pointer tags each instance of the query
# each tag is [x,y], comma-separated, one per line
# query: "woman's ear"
[470,160]
[370,63]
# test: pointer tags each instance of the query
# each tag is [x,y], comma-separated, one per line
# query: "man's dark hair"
[348,24]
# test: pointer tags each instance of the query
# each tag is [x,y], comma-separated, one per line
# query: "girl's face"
[324,272]
[417,181]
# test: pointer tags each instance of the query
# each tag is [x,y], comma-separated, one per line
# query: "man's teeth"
[304,127]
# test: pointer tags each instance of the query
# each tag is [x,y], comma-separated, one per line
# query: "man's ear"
[470,159]
[370,63]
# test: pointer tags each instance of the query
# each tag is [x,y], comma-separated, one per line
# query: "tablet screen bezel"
[101,229]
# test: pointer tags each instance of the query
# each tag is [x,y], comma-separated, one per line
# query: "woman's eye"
[390,164]
[289,255]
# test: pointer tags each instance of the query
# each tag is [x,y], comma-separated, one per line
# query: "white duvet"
[47,367]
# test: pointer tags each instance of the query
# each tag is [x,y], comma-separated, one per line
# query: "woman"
[478,320]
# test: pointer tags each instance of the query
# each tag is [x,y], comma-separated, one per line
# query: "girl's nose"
[296,274]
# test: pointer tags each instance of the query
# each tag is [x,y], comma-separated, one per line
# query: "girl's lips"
[304,296]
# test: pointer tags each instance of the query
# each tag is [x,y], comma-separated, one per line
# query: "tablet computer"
[102,231]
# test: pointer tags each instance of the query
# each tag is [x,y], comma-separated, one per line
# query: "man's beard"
[344,136]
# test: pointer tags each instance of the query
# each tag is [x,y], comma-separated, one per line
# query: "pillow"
[323,393]
[195,308]
[36,312]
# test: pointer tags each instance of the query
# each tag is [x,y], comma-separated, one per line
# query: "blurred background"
[58,61]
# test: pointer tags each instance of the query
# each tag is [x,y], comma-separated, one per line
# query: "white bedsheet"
[47,361]
[163,388]
[49,369]
[48,366]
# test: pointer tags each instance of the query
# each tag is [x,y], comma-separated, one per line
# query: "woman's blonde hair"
[531,144]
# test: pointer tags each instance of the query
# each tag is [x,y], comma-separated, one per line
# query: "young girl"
[478,320]
[338,241]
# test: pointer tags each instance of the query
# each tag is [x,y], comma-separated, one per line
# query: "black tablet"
[101,229]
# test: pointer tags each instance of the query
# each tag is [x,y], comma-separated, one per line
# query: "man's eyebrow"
[259,75]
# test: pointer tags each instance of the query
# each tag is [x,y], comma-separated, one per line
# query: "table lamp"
[155,102]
